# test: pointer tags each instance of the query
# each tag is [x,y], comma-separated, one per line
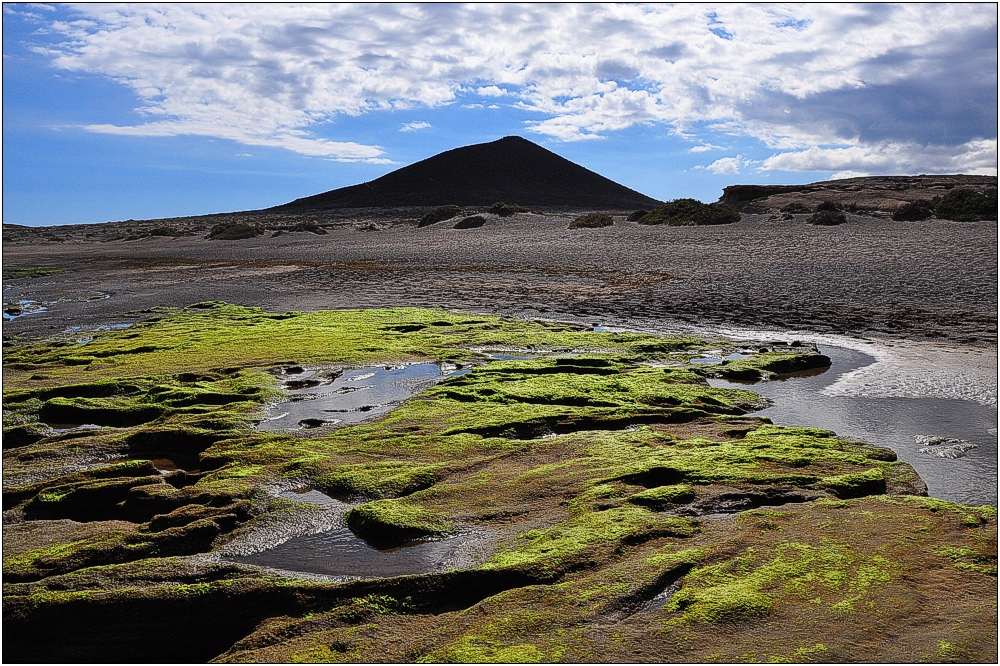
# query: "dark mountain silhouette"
[511,169]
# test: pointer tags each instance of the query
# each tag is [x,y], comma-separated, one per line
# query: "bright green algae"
[600,450]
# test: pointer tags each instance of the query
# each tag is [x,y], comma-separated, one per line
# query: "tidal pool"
[317,399]
[896,423]
[339,552]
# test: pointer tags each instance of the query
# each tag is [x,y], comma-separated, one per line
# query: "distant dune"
[511,169]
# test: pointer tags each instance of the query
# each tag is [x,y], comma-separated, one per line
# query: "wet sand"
[932,281]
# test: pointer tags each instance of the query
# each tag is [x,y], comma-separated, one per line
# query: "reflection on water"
[339,552]
[896,423]
[317,399]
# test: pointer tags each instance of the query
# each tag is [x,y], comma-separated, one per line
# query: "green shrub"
[473,222]
[591,221]
[831,206]
[505,210]
[795,207]
[967,206]
[827,218]
[233,231]
[637,215]
[439,214]
[165,231]
[920,209]
[684,212]
[311,227]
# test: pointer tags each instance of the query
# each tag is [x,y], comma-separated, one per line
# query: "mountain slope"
[511,169]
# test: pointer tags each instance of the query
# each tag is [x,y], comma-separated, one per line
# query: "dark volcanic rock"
[510,169]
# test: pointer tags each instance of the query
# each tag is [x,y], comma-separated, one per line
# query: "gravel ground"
[932,280]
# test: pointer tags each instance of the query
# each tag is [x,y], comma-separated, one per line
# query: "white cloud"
[704,148]
[492,91]
[727,165]
[977,156]
[414,126]
[794,76]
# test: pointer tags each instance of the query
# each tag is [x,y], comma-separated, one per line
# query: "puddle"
[310,496]
[709,359]
[23,308]
[63,428]
[513,357]
[316,399]
[896,423]
[339,552]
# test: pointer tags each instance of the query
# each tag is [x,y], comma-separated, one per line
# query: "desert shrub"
[920,209]
[311,227]
[831,206]
[591,221]
[827,218]
[637,215]
[683,212]
[967,206]
[165,231]
[505,210]
[473,222]
[439,214]
[795,207]
[233,231]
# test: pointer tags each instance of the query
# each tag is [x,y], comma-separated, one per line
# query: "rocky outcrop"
[879,196]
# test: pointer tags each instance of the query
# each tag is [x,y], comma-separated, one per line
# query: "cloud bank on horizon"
[849,89]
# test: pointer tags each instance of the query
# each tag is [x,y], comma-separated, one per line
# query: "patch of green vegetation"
[439,214]
[114,546]
[979,559]
[913,211]
[234,231]
[829,206]
[388,478]
[751,584]
[169,232]
[311,227]
[795,207]
[21,272]
[962,205]
[635,216]
[827,218]
[765,364]
[505,210]
[395,520]
[684,212]
[680,493]
[592,221]
[552,548]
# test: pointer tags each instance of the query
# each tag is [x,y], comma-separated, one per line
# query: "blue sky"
[142,111]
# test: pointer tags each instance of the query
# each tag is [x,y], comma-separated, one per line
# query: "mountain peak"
[511,169]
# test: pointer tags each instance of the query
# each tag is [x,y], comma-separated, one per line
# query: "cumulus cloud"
[899,83]
[492,91]
[414,126]
[727,165]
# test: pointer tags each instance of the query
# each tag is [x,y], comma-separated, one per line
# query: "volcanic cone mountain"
[511,169]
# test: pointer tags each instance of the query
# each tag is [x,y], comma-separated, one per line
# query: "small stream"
[896,423]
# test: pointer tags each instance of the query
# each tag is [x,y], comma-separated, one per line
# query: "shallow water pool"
[895,423]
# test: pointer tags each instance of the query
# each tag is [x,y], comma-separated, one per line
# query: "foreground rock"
[621,508]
